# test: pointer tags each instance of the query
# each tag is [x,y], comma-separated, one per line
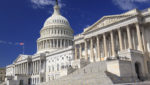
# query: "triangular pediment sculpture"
[107,20]
[21,58]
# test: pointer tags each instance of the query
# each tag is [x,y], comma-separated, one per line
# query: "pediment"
[21,58]
[107,20]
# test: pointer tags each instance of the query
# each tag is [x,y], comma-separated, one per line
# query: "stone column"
[45,42]
[105,45]
[120,39]
[20,68]
[68,43]
[37,66]
[23,68]
[75,52]
[57,43]
[92,52]
[112,44]
[53,43]
[27,68]
[80,50]
[86,50]
[98,48]
[144,40]
[50,43]
[17,69]
[129,38]
[64,43]
[40,67]
[139,37]
[60,43]
[33,67]
[42,44]
[24,71]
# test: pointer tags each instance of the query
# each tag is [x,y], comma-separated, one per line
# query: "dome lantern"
[56,8]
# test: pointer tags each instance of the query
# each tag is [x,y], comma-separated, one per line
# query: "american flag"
[21,43]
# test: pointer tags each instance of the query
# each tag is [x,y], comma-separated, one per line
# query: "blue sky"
[21,20]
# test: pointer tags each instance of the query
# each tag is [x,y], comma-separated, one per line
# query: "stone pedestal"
[121,71]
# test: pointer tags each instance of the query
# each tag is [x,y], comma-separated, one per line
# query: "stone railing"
[118,58]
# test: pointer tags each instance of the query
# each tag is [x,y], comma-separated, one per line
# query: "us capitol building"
[115,49]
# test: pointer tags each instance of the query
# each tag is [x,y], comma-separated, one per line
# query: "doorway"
[21,82]
[29,81]
[138,70]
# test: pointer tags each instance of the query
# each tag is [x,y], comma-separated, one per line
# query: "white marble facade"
[125,35]
[53,58]
[57,49]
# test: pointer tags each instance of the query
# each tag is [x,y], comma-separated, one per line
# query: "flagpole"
[23,50]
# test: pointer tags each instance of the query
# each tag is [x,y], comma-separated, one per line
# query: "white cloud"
[43,3]
[129,4]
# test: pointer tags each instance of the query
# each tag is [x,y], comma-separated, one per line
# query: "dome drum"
[56,32]
[54,44]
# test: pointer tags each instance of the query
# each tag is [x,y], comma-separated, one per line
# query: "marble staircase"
[92,74]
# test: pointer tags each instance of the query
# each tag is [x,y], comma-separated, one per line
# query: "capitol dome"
[56,33]
[56,19]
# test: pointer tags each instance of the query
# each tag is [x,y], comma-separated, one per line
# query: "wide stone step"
[92,74]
